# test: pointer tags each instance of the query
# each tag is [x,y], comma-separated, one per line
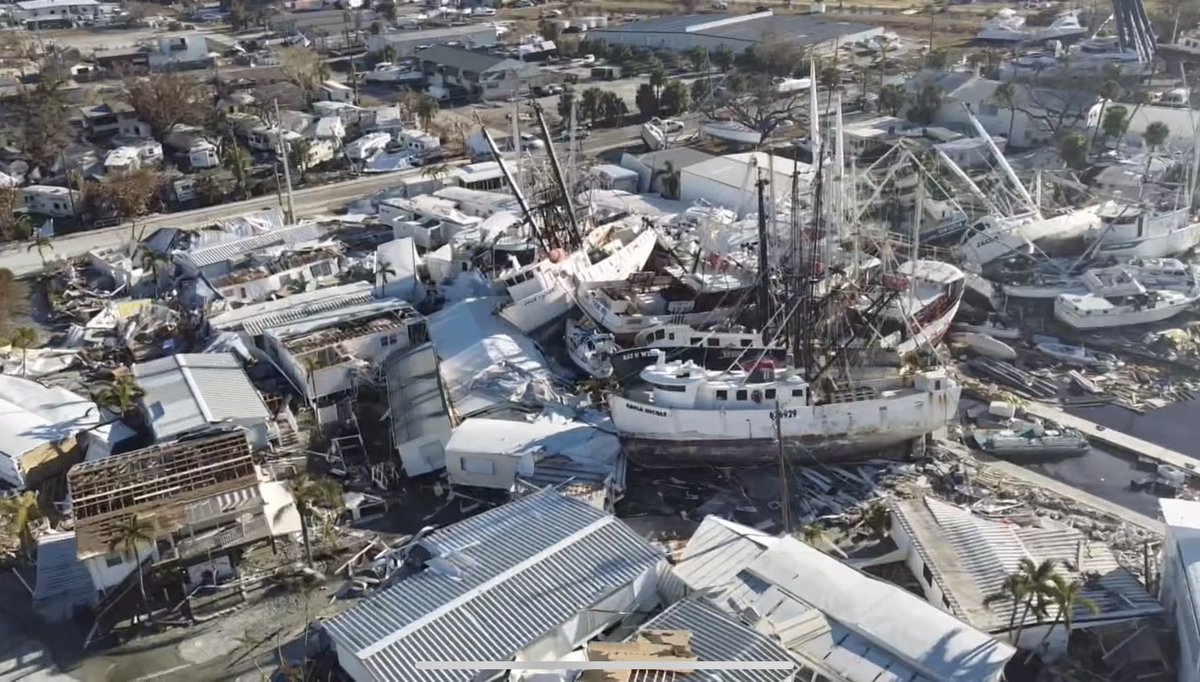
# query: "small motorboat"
[1078,356]
[1030,439]
[590,349]
[986,345]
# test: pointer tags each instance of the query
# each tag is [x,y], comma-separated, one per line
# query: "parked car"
[580,134]
[720,4]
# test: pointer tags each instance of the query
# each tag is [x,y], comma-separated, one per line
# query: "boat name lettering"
[647,410]
[783,414]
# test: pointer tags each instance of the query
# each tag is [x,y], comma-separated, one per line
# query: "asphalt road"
[309,201]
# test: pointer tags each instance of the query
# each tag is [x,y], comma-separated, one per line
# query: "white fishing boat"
[686,413]
[1132,231]
[1006,26]
[995,237]
[544,291]
[386,72]
[695,299]
[590,349]
[1116,298]
[1154,273]
[1031,440]
[985,345]
[732,131]
[711,349]
[1092,57]
[1185,45]
[1078,356]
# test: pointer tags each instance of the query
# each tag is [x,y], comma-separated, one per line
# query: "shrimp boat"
[1134,231]
[713,350]
[689,414]
[590,349]
[1115,298]
[930,295]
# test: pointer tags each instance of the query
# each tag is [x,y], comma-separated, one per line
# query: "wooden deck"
[1115,439]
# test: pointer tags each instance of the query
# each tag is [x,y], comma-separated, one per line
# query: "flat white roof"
[47,4]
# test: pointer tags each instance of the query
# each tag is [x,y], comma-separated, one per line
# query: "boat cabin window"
[658,335]
[668,387]
[722,395]
[937,384]
[770,393]
[696,340]
[741,395]
[797,392]
[712,341]
[745,343]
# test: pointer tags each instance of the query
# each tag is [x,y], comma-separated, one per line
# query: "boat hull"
[657,435]
[1127,318]
[1165,245]
[1037,452]
[631,361]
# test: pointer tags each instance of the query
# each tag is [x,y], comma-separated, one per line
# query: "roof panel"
[188,392]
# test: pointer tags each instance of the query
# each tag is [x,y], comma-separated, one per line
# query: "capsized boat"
[985,345]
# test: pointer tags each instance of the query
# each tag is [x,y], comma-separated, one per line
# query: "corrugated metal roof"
[719,637]
[187,393]
[62,579]
[970,557]
[500,581]
[717,552]
[258,325]
[286,237]
[416,405]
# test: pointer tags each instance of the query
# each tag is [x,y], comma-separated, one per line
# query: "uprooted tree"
[751,95]
[164,100]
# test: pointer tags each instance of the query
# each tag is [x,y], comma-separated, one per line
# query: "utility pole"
[287,171]
[785,505]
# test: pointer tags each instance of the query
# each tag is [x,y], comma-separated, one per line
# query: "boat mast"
[568,204]
[785,505]
[764,273]
[1008,170]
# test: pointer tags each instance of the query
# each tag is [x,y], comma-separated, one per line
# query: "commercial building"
[1179,590]
[37,14]
[480,75]
[406,43]
[730,182]
[737,32]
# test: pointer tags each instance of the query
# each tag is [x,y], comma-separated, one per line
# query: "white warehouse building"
[738,32]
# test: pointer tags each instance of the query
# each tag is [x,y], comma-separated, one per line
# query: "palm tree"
[311,365]
[813,533]
[1108,92]
[237,160]
[876,517]
[1067,597]
[1038,581]
[150,261]
[120,396]
[40,242]
[1005,96]
[300,150]
[1016,588]
[23,338]
[311,494]
[128,535]
[436,173]
[23,510]
[383,272]
[892,99]
[1156,135]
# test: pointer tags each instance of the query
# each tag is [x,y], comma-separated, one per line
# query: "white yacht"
[1006,26]
[1091,57]
[544,291]
[1117,299]
[686,413]
[1065,26]
[1133,231]
[1154,273]
[386,72]
[1078,356]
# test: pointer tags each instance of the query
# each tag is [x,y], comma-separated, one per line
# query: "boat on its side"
[986,345]
[993,327]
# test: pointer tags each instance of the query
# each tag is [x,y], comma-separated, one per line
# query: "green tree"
[620,54]
[565,101]
[723,58]
[23,338]
[1067,597]
[814,534]
[659,79]
[238,161]
[1156,136]
[436,173]
[1016,589]
[892,99]
[129,534]
[1114,122]
[311,494]
[42,244]
[646,100]
[212,188]
[877,518]
[1005,97]
[589,104]
[925,105]
[22,511]
[675,98]
[701,91]
[612,107]
[383,273]
[1038,581]
[299,153]
[698,57]
[1073,150]
[1108,92]
[119,396]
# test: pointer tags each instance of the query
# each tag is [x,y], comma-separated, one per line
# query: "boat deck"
[1097,433]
